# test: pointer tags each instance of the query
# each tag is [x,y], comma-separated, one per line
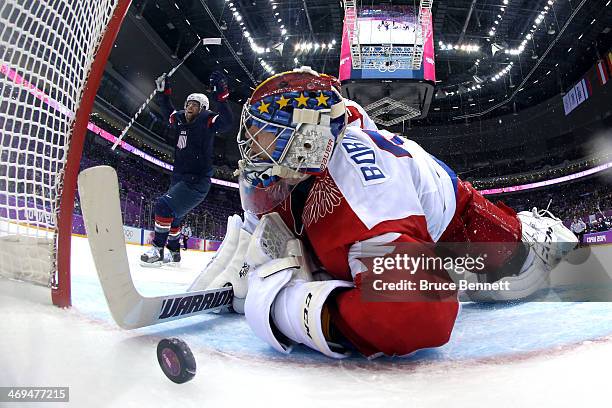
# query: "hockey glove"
[163,84]
[283,305]
[218,84]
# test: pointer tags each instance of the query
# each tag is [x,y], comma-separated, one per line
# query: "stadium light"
[313,47]
[459,47]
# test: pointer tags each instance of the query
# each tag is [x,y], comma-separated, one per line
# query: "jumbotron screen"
[388,25]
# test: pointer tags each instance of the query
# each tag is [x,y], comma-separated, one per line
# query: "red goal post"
[52,58]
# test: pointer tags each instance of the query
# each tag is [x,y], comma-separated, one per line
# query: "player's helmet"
[288,129]
[200,98]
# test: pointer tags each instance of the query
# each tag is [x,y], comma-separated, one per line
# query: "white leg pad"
[236,272]
[532,277]
[250,221]
[549,242]
[223,256]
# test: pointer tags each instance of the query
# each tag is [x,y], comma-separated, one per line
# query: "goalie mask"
[288,130]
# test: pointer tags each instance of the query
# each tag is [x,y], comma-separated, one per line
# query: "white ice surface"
[533,354]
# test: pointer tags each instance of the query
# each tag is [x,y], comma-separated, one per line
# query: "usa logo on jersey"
[182,141]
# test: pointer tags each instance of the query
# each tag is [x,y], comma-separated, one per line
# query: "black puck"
[176,360]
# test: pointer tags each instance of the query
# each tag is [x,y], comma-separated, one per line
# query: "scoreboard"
[386,36]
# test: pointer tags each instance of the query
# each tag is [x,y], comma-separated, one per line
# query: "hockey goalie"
[318,180]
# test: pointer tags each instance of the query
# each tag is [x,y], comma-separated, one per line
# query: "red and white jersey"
[377,185]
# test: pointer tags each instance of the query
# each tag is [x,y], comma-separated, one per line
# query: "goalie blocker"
[284,305]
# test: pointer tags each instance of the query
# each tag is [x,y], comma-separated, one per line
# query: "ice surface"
[546,354]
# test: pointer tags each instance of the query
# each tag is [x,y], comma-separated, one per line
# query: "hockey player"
[192,130]
[323,187]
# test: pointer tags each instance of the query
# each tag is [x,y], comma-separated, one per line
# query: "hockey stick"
[205,41]
[99,192]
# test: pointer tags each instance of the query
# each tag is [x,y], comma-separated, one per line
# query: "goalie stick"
[99,196]
[204,41]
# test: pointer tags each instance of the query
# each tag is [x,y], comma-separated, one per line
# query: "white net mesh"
[47,48]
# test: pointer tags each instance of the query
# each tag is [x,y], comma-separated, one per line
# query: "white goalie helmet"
[200,98]
[289,129]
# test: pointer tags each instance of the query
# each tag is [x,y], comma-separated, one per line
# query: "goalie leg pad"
[549,242]
[532,277]
[283,311]
[223,256]
[236,273]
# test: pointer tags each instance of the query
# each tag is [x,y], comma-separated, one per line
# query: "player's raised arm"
[164,90]
[221,122]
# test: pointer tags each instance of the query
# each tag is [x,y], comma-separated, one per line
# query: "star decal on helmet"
[302,100]
[282,102]
[263,108]
[322,99]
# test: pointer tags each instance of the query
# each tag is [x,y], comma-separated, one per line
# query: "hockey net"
[52,55]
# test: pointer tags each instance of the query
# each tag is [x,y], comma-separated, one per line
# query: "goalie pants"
[400,328]
[172,207]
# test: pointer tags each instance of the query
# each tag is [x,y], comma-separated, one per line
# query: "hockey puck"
[176,360]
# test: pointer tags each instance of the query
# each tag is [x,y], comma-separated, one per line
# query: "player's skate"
[548,237]
[153,258]
[172,258]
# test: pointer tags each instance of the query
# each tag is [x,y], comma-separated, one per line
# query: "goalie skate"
[547,236]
